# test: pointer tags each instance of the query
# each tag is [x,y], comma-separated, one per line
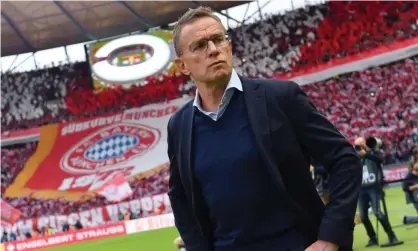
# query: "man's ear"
[181,66]
[230,44]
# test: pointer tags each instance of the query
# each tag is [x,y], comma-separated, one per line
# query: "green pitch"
[162,240]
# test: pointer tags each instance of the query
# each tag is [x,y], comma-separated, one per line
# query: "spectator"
[13,236]
[78,225]
[65,227]
[4,237]
[410,185]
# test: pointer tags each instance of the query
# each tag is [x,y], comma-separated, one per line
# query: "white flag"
[117,189]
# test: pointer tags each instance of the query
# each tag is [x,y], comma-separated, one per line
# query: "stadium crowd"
[297,40]
[30,99]
[381,101]
[302,39]
[13,160]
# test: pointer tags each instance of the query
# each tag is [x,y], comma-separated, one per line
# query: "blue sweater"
[244,207]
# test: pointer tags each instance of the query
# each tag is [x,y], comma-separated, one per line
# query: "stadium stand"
[305,37]
[12,162]
[64,93]
[258,48]
[30,99]
[157,89]
[385,94]
[381,101]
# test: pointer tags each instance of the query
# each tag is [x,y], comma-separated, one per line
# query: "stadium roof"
[31,26]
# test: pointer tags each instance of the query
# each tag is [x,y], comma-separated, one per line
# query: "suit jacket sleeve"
[185,220]
[330,148]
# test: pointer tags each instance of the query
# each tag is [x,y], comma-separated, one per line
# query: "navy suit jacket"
[288,131]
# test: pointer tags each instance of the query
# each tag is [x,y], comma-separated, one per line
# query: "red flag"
[117,189]
[160,209]
[9,214]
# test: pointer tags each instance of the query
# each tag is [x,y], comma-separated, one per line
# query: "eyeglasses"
[202,45]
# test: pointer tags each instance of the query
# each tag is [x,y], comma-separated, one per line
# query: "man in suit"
[239,156]
[372,191]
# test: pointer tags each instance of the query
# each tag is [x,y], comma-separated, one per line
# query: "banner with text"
[93,233]
[74,159]
[96,216]
[66,238]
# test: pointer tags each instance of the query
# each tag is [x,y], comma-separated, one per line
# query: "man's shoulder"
[278,87]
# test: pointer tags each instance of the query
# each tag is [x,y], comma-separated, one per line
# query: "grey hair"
[190,16]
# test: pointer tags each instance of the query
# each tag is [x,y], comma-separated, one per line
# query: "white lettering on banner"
[150,223]
[396,173]
[94,233]
[61,219]
[136,205]
[152,113]
[116,229]
[123,207]
[93,181]
[158,200]
[159,222]
[25,225]
[43,243]
[43,222]
[112,212]
[66,184]
[146,204]
[73,218]
[67,238]
[84,218]
[84,181]
[166,200]
[96,216]
[78,127]
[52,221]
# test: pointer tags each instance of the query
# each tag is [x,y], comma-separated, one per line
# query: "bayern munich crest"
[110,148]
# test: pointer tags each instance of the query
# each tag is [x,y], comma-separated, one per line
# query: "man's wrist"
[329,243]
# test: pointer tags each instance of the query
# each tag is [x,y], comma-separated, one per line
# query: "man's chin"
[221,76]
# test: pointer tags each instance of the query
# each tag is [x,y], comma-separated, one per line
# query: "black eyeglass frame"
[224,42]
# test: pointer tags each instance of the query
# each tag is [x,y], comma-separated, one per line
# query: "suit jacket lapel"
[256,104]
[198,205]
[255,100]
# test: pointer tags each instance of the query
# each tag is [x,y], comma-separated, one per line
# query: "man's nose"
[212,49]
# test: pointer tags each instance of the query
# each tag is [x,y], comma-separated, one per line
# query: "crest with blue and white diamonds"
[111,147]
